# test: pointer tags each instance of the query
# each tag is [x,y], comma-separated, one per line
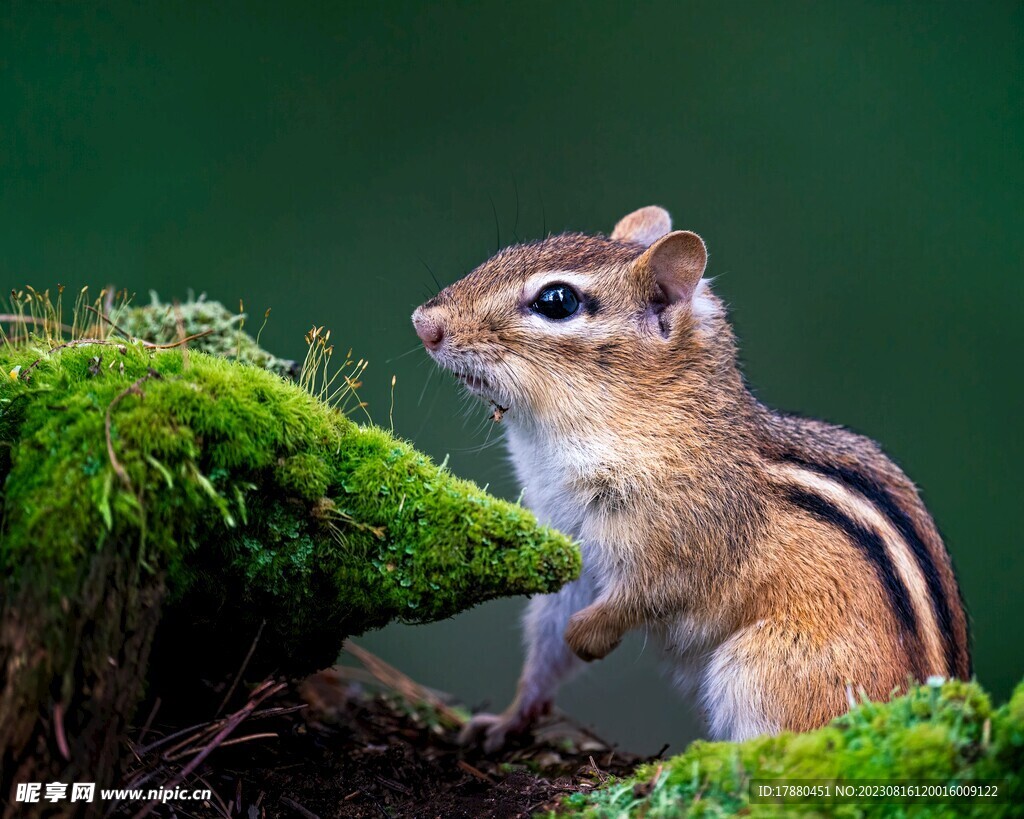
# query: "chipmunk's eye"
[557,301]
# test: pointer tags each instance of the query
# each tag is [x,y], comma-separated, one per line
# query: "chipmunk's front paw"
[491,731]
[591,635]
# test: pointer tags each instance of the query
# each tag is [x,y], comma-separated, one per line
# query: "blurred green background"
[856,169]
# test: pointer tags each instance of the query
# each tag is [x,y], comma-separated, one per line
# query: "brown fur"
[685,481]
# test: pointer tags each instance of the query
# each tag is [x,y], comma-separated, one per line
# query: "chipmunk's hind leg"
[772,677]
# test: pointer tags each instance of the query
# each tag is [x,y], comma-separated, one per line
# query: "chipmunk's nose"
[430,329]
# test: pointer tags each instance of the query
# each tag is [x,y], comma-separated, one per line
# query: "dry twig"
[408,688]
[150,345]
[299,809]
[241,670]
[58,731]
[472,771]
[13,318]
[266,689]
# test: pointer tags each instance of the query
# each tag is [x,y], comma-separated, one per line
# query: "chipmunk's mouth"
[475,384]
[479,386]
[467,370]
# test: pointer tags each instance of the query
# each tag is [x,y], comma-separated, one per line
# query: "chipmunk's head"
[573,326]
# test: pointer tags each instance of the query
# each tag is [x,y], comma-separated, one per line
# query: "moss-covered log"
[193,501]
[944,733]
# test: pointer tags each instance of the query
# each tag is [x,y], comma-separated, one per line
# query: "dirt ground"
[358,742]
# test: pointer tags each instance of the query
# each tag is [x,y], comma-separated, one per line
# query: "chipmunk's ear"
[643,227]
[676,262]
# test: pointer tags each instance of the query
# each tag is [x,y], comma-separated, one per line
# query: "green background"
[856,170]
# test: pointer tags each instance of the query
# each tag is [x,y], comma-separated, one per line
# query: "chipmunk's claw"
[492,731]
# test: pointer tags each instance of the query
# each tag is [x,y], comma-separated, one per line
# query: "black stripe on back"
[872,547]
[883,500]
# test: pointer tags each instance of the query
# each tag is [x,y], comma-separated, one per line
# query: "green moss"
[944,732]
[158,322]
[257,500]
[303,475]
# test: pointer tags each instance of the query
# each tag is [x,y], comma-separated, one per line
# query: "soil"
[350,742]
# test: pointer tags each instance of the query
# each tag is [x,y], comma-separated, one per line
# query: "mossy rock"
[944,733]
[196,501]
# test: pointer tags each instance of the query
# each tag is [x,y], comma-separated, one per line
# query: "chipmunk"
[783,562]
